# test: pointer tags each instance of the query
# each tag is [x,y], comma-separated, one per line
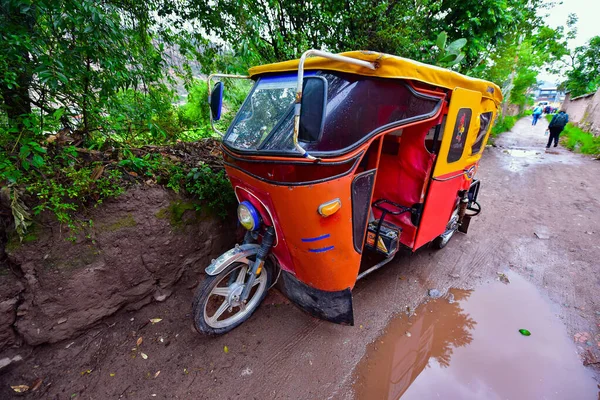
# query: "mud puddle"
[520,159]
[471,348]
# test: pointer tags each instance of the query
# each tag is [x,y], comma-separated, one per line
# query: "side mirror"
[216,101]
[312,111]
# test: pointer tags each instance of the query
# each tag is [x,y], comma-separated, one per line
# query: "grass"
[504,124]
[580,141]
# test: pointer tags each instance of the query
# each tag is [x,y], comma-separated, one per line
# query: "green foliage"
[505,124]
[19,210]
[584,76]
[63,195]
[276,30]
[578,140]
[449,54]
[74,53]
[211,187]
[194,116]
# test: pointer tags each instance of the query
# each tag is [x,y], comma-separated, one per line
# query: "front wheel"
[217,308]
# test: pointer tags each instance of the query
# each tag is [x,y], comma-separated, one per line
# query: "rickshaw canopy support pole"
[324,54]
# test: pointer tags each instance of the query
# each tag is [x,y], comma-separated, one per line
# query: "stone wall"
[584,111]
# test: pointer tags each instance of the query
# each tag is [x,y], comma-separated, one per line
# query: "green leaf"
[62,77]
[441,40]
[455,46]
[24,151]
[448,58]
[37,161]
[458,59]
[58,113]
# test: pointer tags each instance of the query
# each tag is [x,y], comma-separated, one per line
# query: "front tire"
[216,309]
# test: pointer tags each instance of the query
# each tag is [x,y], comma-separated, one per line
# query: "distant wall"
[584,111]
[512,110]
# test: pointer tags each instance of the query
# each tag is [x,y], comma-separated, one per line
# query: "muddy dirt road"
[540,227]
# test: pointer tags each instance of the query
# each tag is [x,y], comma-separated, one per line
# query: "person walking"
[537,112]
[556,126]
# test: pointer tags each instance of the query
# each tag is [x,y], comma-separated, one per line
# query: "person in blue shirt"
[558,123]
[537,112]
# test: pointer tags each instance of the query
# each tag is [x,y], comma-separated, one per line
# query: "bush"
[211,187]
[504,124]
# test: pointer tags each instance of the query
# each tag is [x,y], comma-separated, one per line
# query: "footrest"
[387,238]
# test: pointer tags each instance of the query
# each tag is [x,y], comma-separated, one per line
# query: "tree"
[274,30]
[71,57]
[584,77]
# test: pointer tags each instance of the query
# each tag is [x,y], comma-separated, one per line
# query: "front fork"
[257,265]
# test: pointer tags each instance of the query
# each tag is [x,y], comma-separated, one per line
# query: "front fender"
[239,253]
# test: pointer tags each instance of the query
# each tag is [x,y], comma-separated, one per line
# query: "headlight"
[248,216]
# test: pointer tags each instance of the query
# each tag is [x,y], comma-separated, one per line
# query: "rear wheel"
[217,308]
[441,241]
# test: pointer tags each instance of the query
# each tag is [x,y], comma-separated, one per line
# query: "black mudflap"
[464,226]
[331,306]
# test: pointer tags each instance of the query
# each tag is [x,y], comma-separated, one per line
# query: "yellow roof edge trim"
[392,67]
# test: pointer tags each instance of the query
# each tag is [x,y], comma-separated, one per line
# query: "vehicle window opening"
[485,120]
[371,158]
[433,140]
[459,134]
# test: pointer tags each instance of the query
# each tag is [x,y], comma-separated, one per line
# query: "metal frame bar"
[379,264]
[212,124]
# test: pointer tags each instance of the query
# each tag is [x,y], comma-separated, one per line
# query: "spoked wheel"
[441,241]
[217,307]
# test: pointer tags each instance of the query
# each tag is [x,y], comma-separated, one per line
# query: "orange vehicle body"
[404,164]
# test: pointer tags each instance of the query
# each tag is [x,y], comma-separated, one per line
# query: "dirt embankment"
[137,247]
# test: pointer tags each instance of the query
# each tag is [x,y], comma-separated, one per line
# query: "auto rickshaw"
[339,161]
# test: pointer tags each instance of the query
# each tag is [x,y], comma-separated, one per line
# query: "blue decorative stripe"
[321,250]
[325,236]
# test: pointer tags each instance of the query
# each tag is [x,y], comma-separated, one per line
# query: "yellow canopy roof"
[390,67]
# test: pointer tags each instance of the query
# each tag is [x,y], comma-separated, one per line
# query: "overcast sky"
[588,25]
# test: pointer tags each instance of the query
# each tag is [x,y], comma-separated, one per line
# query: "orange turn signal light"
[330,208]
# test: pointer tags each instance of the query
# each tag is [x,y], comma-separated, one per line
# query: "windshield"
[270,101]
[357,107]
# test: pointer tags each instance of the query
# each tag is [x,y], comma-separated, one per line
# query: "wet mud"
[518,159]
[468,344]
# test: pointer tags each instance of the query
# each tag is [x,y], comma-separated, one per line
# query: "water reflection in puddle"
[472,349]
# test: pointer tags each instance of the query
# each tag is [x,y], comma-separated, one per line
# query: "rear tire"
[441,241]
[222,290]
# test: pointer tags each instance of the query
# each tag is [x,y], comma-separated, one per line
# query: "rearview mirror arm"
[298,99]
[212,124]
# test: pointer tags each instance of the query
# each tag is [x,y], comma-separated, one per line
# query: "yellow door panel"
[460,132]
